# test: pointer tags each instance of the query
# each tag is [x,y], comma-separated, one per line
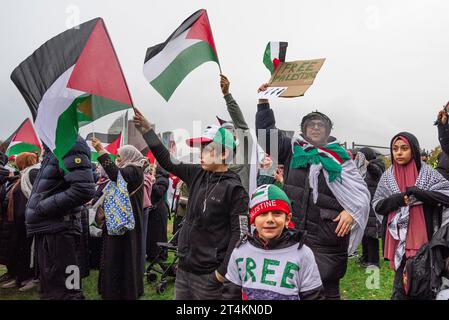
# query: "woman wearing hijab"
[411,195]
[121,274]
[371,169]
[20,263]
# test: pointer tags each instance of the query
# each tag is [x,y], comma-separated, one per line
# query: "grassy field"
[358,284]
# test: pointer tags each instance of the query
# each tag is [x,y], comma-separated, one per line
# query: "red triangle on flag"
[27,134]
[98,70]
[151,157]
[113,147]
[276,63]
[201,30]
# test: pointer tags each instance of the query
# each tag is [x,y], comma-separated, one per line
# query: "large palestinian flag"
[111,143]
[71,80]
[274,54]
[168,63]
[24,140]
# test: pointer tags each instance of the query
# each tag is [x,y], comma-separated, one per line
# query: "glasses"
[316,124]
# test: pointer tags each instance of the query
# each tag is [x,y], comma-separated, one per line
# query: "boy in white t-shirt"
[273,263]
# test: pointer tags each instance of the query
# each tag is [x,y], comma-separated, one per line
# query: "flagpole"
[120,66]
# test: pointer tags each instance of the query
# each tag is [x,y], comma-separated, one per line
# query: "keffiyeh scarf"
[342,178]
[330,156]
[429,180]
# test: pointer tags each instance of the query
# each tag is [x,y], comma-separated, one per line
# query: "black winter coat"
[375,170]
[57,197]
[443,160]
[316,219]
[121,274]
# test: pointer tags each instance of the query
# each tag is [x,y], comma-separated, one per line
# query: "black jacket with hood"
[331,251]
[287,239]
[433,201]
[206,239]
[57,197]
[374,171]
[443,160]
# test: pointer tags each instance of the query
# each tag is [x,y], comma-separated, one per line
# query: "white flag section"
[257,157]
[271,92]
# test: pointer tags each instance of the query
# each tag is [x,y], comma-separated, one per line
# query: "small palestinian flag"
[167,64]
[24,140]
[274,54]
[111,143]
[70,81]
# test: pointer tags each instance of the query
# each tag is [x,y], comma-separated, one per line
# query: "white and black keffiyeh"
[360,163]
[429,180]
[353,195]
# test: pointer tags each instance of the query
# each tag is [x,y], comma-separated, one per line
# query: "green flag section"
[192,44]
[24,140]
[274,54]
[70,81]
[111,143]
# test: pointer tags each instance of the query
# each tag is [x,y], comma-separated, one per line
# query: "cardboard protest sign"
[296,76]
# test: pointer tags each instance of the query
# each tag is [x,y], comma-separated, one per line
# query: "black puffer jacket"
[330,251]
[57,197]
[443,160]
[374,171]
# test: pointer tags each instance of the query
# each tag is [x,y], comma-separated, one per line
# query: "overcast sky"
[386,69]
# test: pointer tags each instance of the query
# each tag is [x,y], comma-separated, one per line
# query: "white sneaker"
[10,284]
[29,285]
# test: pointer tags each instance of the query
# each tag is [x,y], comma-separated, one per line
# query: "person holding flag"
[71,80]
[216,212]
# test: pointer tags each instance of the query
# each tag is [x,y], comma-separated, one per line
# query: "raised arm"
[184,171]
[266,121]
[233,108]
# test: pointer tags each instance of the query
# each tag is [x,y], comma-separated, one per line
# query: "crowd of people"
[288,236]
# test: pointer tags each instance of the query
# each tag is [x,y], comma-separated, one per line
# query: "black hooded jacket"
[433,202]
[208,237]
[374,171]
[57,197]
[443,160]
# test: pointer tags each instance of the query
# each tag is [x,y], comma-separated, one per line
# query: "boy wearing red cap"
[273,263]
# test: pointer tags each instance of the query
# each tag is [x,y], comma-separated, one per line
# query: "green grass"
[367,284]
[353,285]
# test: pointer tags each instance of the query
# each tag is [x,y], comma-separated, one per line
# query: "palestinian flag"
[274,54]
[70,81]
[111,143]
[24,140]
[168,63]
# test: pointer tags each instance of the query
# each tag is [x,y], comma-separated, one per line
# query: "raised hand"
[98,146]
[141,123]
[224,84]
